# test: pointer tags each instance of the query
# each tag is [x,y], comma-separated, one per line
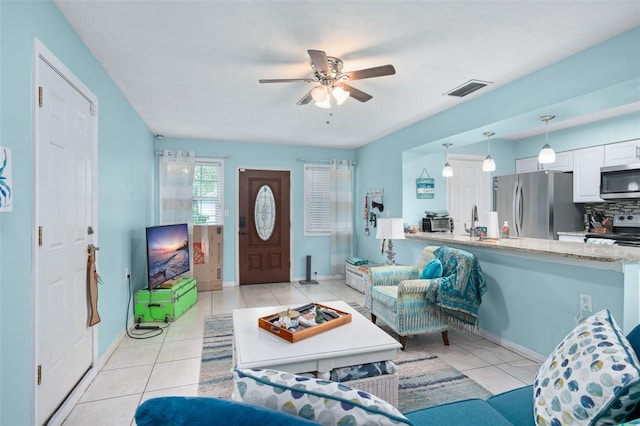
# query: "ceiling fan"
[327,72]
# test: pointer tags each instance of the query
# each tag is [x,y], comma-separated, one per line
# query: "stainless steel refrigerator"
[537,204]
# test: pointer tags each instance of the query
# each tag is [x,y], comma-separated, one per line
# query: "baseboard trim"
[519,349]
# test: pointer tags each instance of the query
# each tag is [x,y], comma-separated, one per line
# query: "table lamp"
[390,229]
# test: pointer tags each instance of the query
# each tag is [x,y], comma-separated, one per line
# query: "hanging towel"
[92,286]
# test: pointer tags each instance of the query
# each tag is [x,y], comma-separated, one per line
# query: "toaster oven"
[437,224]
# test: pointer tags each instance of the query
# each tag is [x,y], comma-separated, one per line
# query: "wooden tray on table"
[303,332]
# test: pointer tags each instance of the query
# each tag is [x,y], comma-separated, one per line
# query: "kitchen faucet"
[474,219]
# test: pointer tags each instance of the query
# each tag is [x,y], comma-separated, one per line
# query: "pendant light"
[447,170]
[547,154]
[488,165]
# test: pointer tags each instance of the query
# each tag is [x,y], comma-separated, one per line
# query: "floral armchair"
[413,305]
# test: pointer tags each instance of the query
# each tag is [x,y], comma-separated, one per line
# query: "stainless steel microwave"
[620,182]
[437,224]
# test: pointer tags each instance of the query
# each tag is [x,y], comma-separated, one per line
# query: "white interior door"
[64,211]
[468,186]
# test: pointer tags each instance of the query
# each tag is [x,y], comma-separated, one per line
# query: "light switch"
[226,212]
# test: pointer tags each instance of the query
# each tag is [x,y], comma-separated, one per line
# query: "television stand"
[165,304]
[170,283]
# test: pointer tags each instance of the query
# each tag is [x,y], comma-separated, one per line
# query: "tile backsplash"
[617,207]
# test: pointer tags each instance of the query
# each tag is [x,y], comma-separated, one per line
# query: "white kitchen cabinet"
[619,153]
[586,174]
[527,165]
[563,163]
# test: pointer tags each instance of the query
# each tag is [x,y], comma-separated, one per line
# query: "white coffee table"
[357,342]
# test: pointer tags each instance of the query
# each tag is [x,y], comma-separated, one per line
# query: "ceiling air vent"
[468,87]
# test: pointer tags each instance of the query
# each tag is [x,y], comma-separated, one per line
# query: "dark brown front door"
[264,226]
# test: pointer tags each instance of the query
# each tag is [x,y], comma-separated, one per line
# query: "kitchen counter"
[591,252]
[534,286]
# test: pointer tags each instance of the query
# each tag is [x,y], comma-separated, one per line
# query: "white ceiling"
[191,68]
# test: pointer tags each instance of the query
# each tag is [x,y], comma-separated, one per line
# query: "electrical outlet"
[126,273]
[586,304]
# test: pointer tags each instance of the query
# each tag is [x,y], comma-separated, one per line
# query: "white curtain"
[176,187]
[342,203]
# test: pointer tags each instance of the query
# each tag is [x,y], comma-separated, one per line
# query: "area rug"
[425,379]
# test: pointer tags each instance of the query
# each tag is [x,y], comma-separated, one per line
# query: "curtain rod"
[160,153]
[309,160]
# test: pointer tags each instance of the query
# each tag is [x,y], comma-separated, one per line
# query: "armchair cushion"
[433,269]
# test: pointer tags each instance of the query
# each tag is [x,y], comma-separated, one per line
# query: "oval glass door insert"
[265,213]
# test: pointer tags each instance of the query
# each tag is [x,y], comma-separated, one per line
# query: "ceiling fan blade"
[372,72]
[305,99]
[319,60]
[284,80]
[355,93]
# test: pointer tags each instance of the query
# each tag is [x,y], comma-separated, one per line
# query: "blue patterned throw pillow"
[321,401]
[433,269]
[591,378]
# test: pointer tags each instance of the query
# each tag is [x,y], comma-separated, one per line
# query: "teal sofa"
[515,407]
[510,408]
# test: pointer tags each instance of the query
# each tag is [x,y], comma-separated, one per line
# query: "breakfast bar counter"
[591,252]
[535,285]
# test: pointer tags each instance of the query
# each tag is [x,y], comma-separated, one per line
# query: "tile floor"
[169,363]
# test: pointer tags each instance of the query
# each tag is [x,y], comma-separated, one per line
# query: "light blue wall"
[532,302]
[125,170]
[126,174]
[268,156]
[589,81]
[604,76]
[611,130]
[502,151]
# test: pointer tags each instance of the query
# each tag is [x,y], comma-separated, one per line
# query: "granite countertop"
[595,252]
[572,233]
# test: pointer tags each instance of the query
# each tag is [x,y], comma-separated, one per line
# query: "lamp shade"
[547,155]
[390,228]
[489,164]
[340,95]
[319,93]
[447,170]
[324,104]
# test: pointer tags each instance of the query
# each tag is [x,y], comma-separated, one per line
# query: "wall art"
[6,182]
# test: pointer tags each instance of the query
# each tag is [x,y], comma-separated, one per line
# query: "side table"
[357,277]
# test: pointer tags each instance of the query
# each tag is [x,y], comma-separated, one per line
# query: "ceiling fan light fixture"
[319,93]
[340,95]
[324,104]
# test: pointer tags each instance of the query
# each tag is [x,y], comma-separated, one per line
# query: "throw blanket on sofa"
[459,292]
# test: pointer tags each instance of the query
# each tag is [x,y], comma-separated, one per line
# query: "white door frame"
[40,52]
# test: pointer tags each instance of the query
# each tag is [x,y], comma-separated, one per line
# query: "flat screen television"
[167,253]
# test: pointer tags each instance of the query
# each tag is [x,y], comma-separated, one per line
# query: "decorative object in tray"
[305,321]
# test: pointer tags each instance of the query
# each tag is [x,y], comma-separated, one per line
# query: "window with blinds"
[208,188]
[318,215]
